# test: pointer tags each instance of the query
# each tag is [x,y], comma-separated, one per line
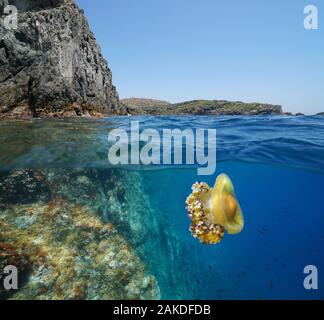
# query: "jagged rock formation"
[51,64]
[205,107]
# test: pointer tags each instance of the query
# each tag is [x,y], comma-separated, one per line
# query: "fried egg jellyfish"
[214,211]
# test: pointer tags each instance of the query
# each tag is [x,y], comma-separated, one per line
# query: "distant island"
[134,103]
[137,106]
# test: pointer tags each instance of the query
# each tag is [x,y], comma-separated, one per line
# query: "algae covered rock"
[97,223]
[72,254]
[57,226]
[11,256]
[23,186]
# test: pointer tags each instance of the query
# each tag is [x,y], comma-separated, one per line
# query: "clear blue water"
[284,232]
[277,167]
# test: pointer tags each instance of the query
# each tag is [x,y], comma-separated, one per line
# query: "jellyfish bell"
[224,207]
[214,211]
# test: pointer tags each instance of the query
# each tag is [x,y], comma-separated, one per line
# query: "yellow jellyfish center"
[230,206]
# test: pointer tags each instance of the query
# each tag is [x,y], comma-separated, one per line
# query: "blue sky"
[177,50]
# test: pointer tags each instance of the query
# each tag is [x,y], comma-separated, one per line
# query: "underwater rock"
[214,211]
[23,186]
[116,197]
[72,254]
[105,191]
[12,256]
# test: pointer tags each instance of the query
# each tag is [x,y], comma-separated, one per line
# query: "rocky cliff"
[51,65]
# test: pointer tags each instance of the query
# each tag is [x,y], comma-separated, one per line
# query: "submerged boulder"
[71,234]
[89,228]
[72,254]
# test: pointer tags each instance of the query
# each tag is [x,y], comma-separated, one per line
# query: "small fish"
[241,275]
[271,285]
[262,231]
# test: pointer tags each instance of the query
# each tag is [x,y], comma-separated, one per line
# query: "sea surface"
[276,164]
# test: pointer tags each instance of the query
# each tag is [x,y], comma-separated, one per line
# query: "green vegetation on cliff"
[206,107]
[139,103]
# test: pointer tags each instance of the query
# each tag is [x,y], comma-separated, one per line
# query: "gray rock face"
[51,64]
